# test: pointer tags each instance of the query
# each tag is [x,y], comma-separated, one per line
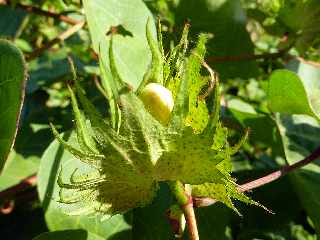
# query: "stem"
[190,217]
[39,11]
[204,202]
[246,57]
[60,38]
[186,205]
[313,63]
[25,183]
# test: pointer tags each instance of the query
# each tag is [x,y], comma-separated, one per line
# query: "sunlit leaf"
[12,86]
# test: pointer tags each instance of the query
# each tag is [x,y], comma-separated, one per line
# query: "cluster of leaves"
[277,98]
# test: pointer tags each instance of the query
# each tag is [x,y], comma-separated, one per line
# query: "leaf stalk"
[186,204]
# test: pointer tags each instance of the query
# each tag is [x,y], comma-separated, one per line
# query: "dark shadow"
[213,221]
[33,143]
[279,196]
[10,21]
[124,235]
[78,234]
[151,220]
[23,223]
[119,29]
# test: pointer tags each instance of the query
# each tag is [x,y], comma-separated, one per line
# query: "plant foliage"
[128,163]
[244,79]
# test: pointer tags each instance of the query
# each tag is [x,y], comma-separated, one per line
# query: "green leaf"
[309,75]
[12,86]
[55,215]
[300,136]
[288,93]
[129,45]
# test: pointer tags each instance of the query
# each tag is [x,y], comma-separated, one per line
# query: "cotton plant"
[167,130]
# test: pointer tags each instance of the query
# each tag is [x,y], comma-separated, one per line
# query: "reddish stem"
[203,202]
[190,220]
[25,183]
[246,57]
[39,11]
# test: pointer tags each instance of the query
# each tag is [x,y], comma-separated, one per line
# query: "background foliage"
[267,56]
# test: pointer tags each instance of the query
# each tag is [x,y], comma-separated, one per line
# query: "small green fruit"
[158,101]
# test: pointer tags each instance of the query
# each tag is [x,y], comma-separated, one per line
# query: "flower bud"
[158,101]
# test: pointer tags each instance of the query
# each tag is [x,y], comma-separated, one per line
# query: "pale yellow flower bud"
[158,101]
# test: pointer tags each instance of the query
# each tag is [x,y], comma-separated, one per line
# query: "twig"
[313,63]
[204,202]
[39,11]
[25,183]
[60,38]
[184,199]
[190,217]
[246,57]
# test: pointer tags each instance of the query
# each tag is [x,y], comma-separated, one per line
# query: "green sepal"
[109,88]
[84,136]
[180,109]
[155,72]
[174,64]
[198,112]
[88,158]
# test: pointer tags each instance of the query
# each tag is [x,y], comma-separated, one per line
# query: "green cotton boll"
[160,135]
[158,100]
